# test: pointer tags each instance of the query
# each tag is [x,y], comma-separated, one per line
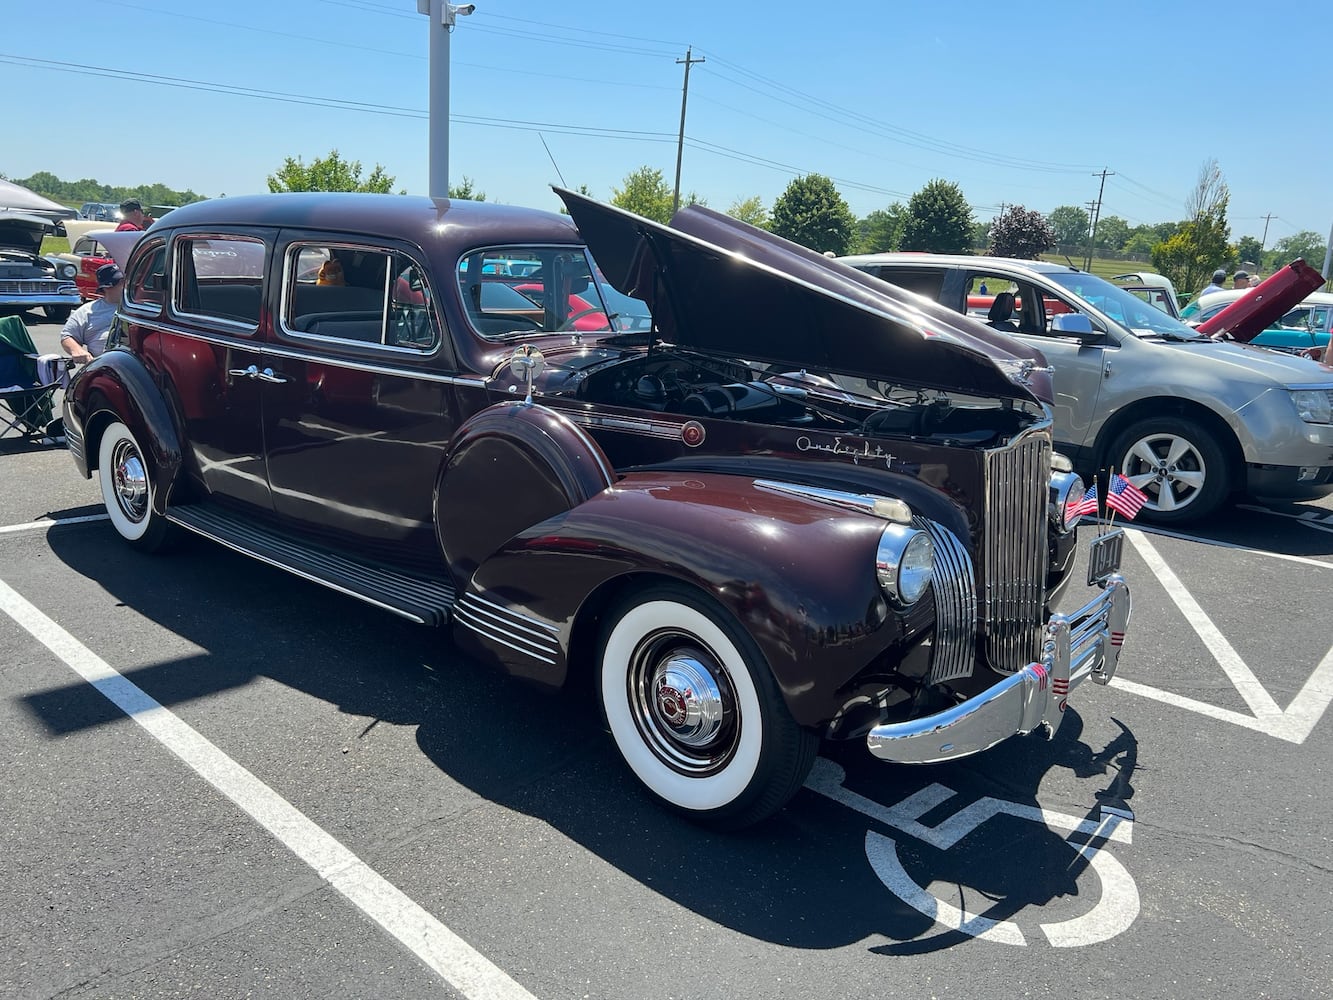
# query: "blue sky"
[1017,103]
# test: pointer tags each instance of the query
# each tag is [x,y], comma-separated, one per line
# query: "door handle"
[267,375]
[1106,370]
[250,372]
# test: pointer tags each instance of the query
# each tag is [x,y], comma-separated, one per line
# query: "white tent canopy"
[21,201]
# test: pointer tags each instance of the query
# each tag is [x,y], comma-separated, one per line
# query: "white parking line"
[43,525]
[452,958]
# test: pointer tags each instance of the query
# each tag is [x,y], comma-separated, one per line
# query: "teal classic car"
[1307,324]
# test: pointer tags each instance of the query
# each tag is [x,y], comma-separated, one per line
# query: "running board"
[425,600]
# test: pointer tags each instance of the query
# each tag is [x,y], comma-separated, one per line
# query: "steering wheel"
[572,318]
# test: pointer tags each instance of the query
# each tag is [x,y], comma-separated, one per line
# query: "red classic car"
[803,505]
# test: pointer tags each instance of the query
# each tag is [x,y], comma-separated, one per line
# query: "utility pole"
[443,16]
[1267,218]
[1087,255]
[680,140]
[1096,214]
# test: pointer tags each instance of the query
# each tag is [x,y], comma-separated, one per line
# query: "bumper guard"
[1076,647]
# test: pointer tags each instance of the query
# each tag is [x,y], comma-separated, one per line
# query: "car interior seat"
[1000,315]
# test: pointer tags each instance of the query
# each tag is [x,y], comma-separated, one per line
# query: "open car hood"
[1265,303]
[717,285]
[22,232]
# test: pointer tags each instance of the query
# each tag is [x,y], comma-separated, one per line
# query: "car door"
[209,351]
[359,403]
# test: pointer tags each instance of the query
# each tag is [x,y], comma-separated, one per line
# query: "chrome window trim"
[294,248]
[179,245]
[147,308]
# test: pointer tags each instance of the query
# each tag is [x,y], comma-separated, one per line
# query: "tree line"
[812,212]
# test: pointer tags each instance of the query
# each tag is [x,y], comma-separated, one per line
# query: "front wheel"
[695,712]
[1178,464]
[128,489]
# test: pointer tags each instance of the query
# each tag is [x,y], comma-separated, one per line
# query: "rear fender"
[798,575]
[117,386]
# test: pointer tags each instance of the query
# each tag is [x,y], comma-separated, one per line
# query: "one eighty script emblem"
[857,455]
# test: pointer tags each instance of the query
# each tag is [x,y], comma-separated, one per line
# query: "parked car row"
[799,504]
[27,279]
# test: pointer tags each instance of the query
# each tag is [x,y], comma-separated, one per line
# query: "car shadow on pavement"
[803,879]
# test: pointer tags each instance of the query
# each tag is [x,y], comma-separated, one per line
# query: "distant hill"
[75,193]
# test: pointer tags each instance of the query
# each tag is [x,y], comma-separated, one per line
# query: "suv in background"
[1187,419]
[100,211]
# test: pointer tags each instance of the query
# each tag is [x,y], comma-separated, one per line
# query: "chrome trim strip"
[864,503]
[536,622]
[1035,697]
[629,425]
[495,638]
[953,653]
[473,381]
[510,628]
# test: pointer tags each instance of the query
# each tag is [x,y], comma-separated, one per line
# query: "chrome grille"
[953,649]
[29,286]
[1014,550]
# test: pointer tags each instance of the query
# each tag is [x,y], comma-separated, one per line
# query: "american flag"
[1125,497]
[1076,507]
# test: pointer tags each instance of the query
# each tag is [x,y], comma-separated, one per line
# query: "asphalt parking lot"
[222,781]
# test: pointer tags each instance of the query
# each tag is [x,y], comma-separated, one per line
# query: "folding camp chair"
[28,382]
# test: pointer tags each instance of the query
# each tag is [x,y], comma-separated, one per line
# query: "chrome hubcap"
[683,703]
[130,481]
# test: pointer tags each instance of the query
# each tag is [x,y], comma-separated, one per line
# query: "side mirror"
[1075,325]
[526,364]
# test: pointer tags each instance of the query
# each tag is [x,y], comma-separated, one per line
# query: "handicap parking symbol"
[1117,904]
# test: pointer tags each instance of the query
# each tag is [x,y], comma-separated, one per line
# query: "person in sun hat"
[85,332]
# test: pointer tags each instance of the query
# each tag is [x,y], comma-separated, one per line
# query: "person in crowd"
[1241,279]
[85,332]
[132,216]
[1218,282]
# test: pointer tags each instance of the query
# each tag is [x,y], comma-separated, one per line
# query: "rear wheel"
[128,489]
[1178,464]
[695,711]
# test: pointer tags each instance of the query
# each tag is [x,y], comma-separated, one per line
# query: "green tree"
[331,173]
[938,219]
[981,236]
[1250,249]
[750,210]
[881,230]
[1071,225]
[465,191]
[1202,242]
[812,213]
[644,192]
[1305,244]
[1112,233]
[1020,233]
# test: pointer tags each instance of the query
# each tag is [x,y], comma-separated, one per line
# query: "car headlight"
[1066,488]
[1315,406]
[904,563]
[68,270]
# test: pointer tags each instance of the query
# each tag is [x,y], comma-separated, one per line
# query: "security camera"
[465,9]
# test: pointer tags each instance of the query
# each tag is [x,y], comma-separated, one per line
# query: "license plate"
[1104,557]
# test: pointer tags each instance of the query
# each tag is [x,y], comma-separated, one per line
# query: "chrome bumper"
[1075,647]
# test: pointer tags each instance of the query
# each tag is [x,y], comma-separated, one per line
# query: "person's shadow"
[800,879]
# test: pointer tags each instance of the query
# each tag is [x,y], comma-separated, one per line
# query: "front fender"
[798,574]
[117,386]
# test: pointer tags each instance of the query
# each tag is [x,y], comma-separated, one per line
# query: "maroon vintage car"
[803,505]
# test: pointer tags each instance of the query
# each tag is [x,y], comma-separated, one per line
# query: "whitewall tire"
[128,489]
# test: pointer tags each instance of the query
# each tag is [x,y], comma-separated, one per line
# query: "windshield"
[516,291]
[1116,304]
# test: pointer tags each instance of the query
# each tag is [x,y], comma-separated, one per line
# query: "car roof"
[907,257]
[417,219]
[1231,294]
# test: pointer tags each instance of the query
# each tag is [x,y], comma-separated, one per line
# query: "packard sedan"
[798,505]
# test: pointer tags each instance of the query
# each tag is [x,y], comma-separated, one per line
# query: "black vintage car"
[799,505]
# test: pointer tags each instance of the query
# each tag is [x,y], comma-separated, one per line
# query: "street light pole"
[443,15]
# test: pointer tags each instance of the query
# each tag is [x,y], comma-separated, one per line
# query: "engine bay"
[676,382]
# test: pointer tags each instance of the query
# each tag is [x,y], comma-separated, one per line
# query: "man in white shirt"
[1218,285]
[85,332]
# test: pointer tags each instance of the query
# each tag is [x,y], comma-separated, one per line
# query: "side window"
[220,277]
[1010,305]
[516,290]
[923,282]
[368,295]
[146,285]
